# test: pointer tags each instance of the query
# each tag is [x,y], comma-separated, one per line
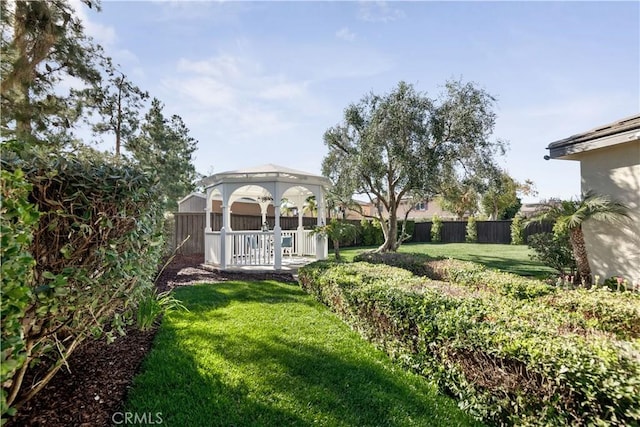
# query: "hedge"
[93,250]
[598,308]
[507,360]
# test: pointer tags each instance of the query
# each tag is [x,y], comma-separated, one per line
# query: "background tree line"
[56,80]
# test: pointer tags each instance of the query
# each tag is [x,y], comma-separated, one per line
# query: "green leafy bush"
[517,230]
[96,248]
[18,219]
[469,274]
[417,264]
[371,232]
[507,360]
[553,250]
[471,230]
[436,229]
[600,308]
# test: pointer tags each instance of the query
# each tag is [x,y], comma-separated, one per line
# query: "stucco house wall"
[614,171]
[609,159]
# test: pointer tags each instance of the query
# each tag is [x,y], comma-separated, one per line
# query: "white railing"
[255,247]
[307,243]
[250,247]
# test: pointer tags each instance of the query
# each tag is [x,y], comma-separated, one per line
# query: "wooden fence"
[192,224]
[488,231]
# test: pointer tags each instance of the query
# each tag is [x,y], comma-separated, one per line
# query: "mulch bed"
[101,374]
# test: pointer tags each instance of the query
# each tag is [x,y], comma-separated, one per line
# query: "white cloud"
[283,91]
[378,11]
[238,96]
[346,34]
[105,36]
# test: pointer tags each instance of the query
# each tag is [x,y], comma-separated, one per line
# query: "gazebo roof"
[267,173]
[256,181]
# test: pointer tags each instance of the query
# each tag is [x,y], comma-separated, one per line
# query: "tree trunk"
[336,249]
[580,254]
[391,235]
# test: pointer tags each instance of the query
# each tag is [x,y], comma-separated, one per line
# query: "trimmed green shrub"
[600,308]
[507,360]
[96,246]
[517,230]
[465,273]
[471,230]
[417,264]
[436,229]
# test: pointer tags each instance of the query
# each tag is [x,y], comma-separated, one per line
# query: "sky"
[260,82]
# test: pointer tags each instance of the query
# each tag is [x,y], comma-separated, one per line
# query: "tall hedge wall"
[81,239]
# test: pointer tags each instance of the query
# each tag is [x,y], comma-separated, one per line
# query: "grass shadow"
[265,353]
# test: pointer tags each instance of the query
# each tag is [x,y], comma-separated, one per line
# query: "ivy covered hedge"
[509,357]
[598,307]
[81,241]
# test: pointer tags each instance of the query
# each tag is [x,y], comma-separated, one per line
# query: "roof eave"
[566,149]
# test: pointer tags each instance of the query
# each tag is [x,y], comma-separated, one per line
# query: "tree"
[404,144]
[165,148]
[458,198]
[337,231]
[119,103]
[501,200]
[42,43]
[569,215]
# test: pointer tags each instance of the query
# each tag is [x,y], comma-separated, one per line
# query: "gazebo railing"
[250,247]
[243,248]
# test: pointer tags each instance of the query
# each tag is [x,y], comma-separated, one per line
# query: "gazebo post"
[225,252]
[277,231]
[300,232]
[298,201]
[321,241]
[277,241]
[207,212]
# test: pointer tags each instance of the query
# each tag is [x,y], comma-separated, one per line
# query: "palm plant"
[337,231]
[568,217]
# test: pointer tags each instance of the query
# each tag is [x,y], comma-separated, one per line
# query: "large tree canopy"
[404,144]
[42,44]
[165,147]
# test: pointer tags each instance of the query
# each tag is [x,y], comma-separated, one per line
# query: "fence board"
[494,231]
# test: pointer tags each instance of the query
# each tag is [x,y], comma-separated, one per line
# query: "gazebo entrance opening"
[267,185]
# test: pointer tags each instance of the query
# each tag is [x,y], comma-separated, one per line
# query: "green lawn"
[266,354]
[511,258]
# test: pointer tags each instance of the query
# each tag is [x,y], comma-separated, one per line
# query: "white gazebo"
[264,185]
